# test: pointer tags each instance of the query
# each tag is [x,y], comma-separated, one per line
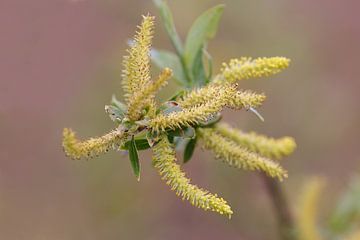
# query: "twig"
[281,207]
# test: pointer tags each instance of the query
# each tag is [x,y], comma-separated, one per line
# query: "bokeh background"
[60,62]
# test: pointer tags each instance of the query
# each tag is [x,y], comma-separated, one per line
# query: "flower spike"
[136,73]
[92,147]
[237,156]
[190,116]
[142,99]
[246,99]
[164,161]
[206,94]
[236,99]
[267,147]
[245,68]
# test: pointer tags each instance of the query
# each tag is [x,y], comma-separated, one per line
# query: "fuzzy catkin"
[164,161]
[144,98]
[265,146]
[245,68]
[77,149]
[136,72]
[238,156]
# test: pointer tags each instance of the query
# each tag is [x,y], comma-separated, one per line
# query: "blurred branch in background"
[282,208]
[344,221]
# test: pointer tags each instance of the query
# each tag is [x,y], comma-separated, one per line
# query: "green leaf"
[198,70]
[189,133]
[141,144]
[211,120]
[134,158]
[177,95]
[168,21]
[116,110]
[164,59]
[203,29]
[175,133]
[116,103]
[209,64]
[189,149]
[115,114]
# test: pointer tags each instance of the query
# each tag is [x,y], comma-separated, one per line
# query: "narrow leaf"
[115,114]
[211,120]
[116,103]
[198,70]
[189,149]
[134,158]
[163,59]
[168,21]
[203,29]
[141,144]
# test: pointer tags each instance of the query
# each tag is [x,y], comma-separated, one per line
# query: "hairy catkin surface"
[165,162]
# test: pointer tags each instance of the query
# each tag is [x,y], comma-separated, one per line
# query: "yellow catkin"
[94,146]
[136,72]
[206,94]
[164,161]
[237,156]
[189,116]
[246,99]
[144,98]
[236,99]
[267,147]
[308,208]
[245,68]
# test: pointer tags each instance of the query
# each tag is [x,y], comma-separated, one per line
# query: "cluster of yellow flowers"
[197,106]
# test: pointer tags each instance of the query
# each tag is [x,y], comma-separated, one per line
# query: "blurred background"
[60,62]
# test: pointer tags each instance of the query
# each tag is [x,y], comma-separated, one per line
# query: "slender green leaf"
[189,133]
[198,70]
[134,158]
[141,144]
[211,120]
[177,95]
[209,64]
[168,59]
[175,132]
[203,29]
[121,106]
[170,109]
[189,149]
[168,21]
[115,114]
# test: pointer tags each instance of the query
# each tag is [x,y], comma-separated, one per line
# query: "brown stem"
[281,207]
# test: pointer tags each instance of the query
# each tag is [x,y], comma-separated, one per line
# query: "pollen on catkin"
[136,72]
[265,146]
[245,68]
[238,156]
[246,99]
[164,161]
[308,209]
[77,149]
[144,98]
[206,94]
[189,116]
